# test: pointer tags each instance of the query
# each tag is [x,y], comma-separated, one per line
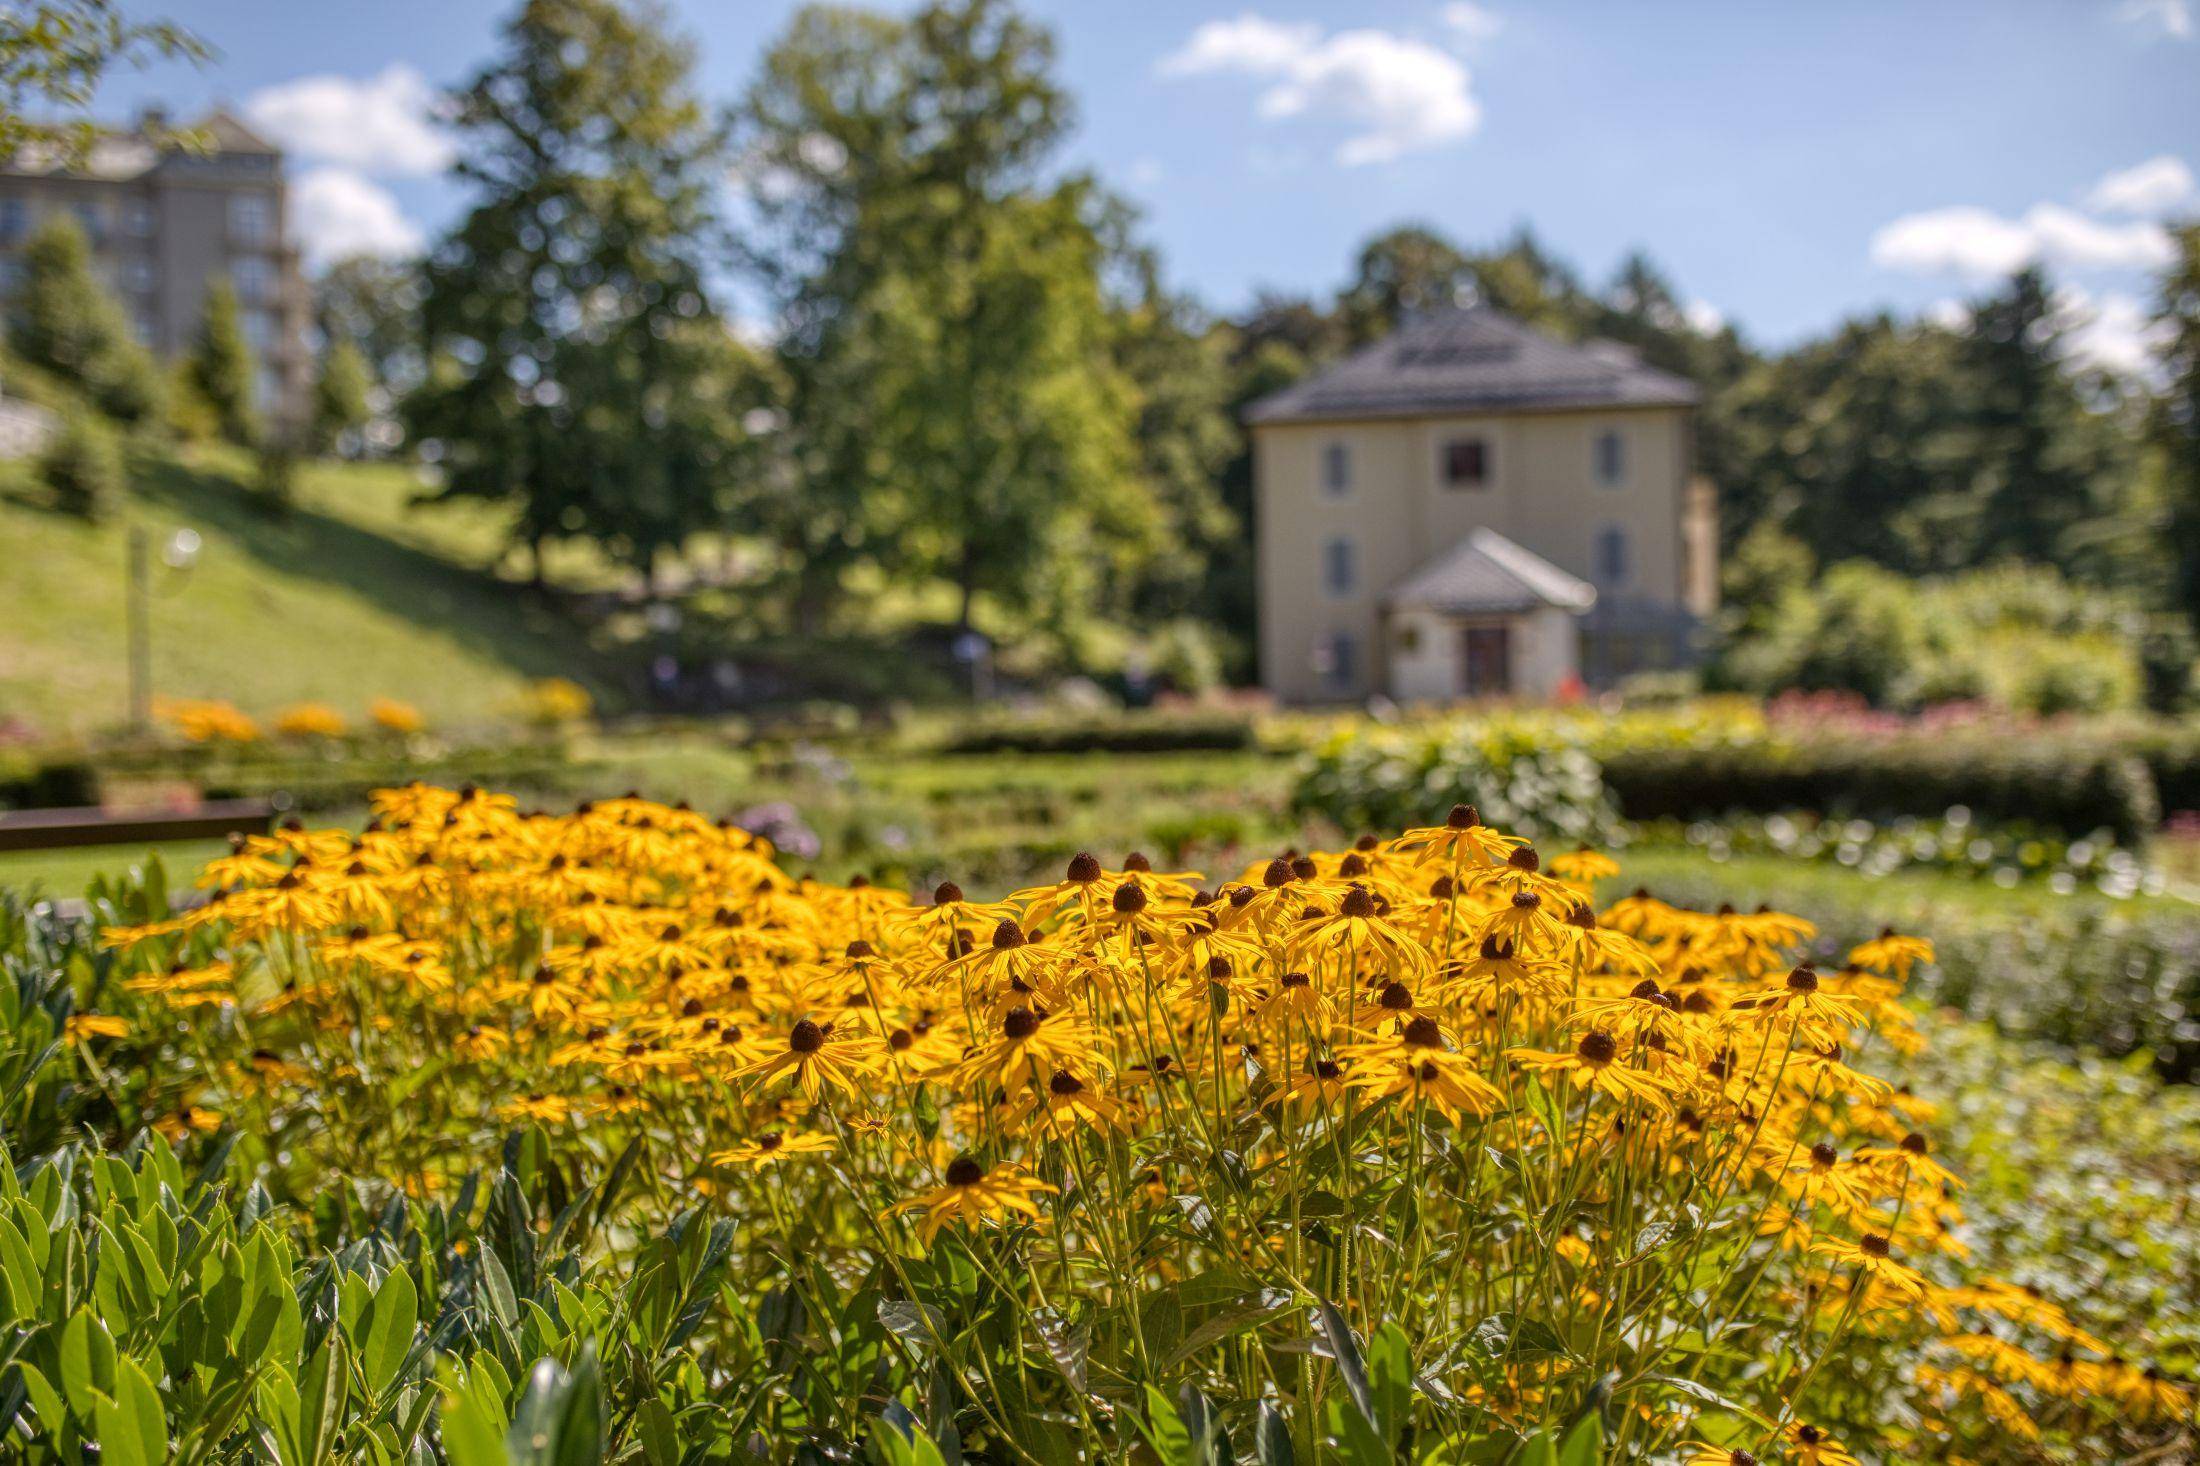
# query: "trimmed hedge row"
[1165,734]
[35,781]
[2073,788]
[2089,974]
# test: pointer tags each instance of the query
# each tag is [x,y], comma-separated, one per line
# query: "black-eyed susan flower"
[1814,1447]
[1873,1257]
[972,1195]
[774,1147]
[815,1058]
[1462,837]
[1599,1062]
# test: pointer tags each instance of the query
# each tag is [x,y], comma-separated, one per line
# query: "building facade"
[1471,508]
[165,221]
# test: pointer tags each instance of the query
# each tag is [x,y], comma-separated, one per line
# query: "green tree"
[1406,272]
[373,304]
[574,350]
[341,394]
[2177,415]
[82,465]
[2031,453]
[53,56]
[955,407]
[66,322]
[221,367]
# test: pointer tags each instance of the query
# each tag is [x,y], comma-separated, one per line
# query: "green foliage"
[53,55]
[340,396]
[578,370]
[66,322]
[2020,637]
[221,368]
[2176,424]
[954,403]
[1104,733]
[82,467]
[1537,779]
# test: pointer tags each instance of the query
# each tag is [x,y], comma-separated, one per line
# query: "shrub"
[1106,733]
[556,701]
[30,779]
[2074,789]
[82,466]
[1533,777]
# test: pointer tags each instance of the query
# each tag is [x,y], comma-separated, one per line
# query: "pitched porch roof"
[1487,574]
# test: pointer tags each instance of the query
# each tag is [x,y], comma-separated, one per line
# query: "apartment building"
[164,221]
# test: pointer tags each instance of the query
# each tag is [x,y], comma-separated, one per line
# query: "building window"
[1611,555]
[254,279]
[251,218]
[95,226]
[1337,660]
[1611,459]
[137,218]
[1466,463]
[11,274]
[15,218]
[1337,470]
[1338,571]
[1409,638]
[141,325]
[259,329]
[137,274]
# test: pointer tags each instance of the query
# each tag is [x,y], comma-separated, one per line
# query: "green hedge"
[1168,733]
[2075,789]
[44,781]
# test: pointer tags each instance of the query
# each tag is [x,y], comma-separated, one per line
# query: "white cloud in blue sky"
[348,128]
[2151,188]
[2172,18]
[1397,94]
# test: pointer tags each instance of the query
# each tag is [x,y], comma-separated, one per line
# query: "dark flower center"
[1598,1047]
[1525,858]
[1130,898]
[1358,901]
[1084,868]
[1294,979]
[770,1140]
[1874,1245]
[1020,1023]
[1823,1156]
[1462,817]
[1915,1144]
[806,1037]
[1277,874]
[947,893]
[964,1171]
[1007,936]
[858,950]
[1396,996]
[1527,900]
[1137,861]
[1423,1033]
[1065,1082]
[1803,979]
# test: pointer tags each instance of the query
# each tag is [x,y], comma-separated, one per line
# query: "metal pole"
[137,614]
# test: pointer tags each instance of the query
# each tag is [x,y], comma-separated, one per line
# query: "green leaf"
[131,1429]
[389,1329]
[1346,1351]
[1165,1431]
[1272,1437]
[87,1363]
[1234,1318]
[496,1287]
[321,1399]
[1584,1444]
[45,1399]
[473,1424]
[1390,1377]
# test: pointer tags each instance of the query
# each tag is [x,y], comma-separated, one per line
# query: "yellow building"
[1471,508]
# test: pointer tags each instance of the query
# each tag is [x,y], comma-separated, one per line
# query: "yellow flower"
[973,1195]
[393,716]
[81,1026]
[1813,1447]
[310,720]
[772,1148]
[1460,836]
[816,1057]
[1872,1256]
[1598,1063]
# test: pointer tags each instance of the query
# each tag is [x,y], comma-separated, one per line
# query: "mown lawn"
[349,597]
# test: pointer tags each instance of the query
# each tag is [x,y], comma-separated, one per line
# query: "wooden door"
[1488,651]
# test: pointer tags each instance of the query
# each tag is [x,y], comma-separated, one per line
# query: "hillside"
[353,596]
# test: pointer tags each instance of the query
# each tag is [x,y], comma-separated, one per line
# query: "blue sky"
[1787,163]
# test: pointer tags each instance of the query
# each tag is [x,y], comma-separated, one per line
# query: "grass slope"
[350,597]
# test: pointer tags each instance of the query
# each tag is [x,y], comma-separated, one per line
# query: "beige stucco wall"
[1427,655]
[1541,491]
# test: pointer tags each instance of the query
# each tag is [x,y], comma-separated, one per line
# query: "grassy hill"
[354,595]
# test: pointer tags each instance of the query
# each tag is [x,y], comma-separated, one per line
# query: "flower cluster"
[1172,1133]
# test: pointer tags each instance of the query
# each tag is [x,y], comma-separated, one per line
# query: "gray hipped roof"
[1472,359]
[1487,574]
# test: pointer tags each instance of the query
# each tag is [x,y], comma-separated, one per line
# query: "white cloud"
[1145,172]
[1949,315]
[335,212]
[1470,22]
[2150,188]
[1401,95]
[383,124]
[1704,318]
[1963,240]
[2172,17]
[2111,331]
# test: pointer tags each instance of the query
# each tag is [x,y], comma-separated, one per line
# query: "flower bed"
[1398,1151]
